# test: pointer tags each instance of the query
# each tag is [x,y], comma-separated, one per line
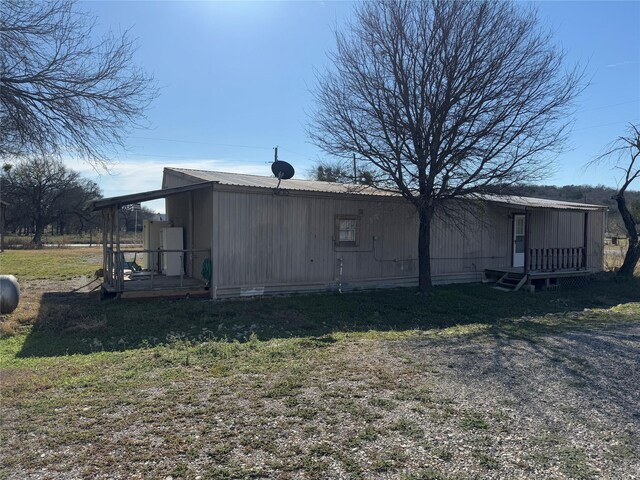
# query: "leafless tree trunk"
[624,153]
[444,100]
[62,92]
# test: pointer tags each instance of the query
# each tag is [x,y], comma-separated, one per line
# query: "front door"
[518,240]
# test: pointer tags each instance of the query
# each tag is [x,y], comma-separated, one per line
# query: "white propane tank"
[9,293]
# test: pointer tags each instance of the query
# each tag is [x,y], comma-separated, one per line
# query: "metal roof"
[145,196]
[531,202]
[258,181]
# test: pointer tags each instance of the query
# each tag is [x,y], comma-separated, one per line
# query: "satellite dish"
[282,170]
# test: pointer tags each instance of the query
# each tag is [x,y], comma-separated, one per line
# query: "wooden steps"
[511,282]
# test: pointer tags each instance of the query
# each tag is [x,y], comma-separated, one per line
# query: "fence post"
[585,240]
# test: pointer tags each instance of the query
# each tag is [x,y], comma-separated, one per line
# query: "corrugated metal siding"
[564,229]
[264,238]
[285,243]
[595,249]
[471,242]
[556,229]
[198,237]
[202,224]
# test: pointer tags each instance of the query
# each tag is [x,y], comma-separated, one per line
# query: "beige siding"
[269,243]
[197,226]
[556,229]
[466,244]
[595,247]
[172,179]
[265,239]
[565,229]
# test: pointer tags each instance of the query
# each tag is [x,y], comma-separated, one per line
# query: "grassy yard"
[466,383]
[50,263]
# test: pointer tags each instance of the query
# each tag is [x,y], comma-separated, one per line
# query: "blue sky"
[235,81]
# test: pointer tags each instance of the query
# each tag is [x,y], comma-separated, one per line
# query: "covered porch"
[552,244]
[143,272]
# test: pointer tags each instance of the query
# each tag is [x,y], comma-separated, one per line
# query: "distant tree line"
[46,197]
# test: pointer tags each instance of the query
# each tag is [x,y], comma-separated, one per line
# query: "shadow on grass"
[78,323]
[530,362]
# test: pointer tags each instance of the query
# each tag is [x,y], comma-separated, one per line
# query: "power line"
[294,152]
[202,143]
[602,125]
[199,142]
[192,158]
[610,105]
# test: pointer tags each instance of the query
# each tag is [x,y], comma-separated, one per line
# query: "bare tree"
[624,155]
[60,91]
[444,100]
[44,191]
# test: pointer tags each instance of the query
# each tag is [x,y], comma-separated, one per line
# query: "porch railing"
[550,259]
[115,262]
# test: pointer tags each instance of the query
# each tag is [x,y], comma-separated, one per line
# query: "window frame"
[346,243]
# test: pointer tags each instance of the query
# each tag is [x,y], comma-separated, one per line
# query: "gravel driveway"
[560,406]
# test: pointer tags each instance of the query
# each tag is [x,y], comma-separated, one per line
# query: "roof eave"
[145,196]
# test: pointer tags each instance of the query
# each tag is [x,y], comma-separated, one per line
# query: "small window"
[346,231]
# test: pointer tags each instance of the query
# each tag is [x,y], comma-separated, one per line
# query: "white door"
[518,240]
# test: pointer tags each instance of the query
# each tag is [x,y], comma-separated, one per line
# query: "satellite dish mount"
[282,170]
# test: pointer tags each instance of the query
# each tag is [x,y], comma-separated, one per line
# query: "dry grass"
[45,271]
[462,384]
[51,263]
[614,256]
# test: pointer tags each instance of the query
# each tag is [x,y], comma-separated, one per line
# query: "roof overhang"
[531,203]
[117,202]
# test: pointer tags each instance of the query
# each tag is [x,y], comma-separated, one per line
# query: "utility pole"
[355,171]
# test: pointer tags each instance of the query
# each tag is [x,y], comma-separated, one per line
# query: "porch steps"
[511,281]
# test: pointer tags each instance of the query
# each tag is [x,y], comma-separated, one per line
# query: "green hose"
[206,270]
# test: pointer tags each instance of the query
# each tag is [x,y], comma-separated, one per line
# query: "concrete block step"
[502,289]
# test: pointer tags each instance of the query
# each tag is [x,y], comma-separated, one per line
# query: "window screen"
[346,231]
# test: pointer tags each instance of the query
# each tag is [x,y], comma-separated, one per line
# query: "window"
[346,234]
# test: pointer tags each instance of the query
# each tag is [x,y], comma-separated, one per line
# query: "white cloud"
[621,64]
[131,176]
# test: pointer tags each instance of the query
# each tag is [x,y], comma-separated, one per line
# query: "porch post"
[585,240]
[104,244]
[110,261]
[526,241]
[213,284]
[118,261]
[190,262]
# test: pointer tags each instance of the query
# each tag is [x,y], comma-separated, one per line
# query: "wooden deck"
[513,278]
[542,273]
